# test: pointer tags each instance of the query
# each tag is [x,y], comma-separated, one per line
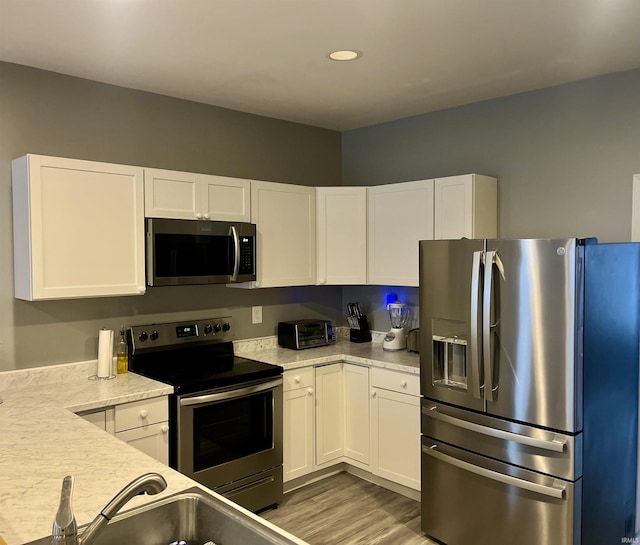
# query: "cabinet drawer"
[298,378]
[141,413]
[395,381]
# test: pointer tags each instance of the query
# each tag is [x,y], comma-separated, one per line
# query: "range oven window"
[229,430]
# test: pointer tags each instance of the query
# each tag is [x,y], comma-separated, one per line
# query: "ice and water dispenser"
[449,342]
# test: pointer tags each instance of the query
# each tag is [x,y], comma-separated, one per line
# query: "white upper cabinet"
[186,195]
[400,215]
[285,218]
[78,228]
[466,206]
[342,235]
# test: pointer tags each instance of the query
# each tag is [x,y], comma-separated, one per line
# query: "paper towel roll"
[105,353]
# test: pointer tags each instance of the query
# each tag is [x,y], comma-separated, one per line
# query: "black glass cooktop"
[200,368]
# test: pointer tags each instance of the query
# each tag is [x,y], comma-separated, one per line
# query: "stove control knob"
[154,335]
[217,328]
[143,336]
[208,329]
[226,326]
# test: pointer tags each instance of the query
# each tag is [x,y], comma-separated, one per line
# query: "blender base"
[395,340]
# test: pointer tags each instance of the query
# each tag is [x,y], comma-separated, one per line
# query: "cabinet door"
[224,199]
[357,438]
[152,440]
[342,235]
[78,228]
[97,418]
[285,216]
[329,414]
[465,206]
[171,194]
[400,215]
[298,432]
[395,437]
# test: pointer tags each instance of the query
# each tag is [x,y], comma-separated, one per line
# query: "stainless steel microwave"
[184,252]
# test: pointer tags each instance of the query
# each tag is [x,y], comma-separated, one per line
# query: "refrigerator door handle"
[557,490]
[475,317]
[555,445]
[489,260]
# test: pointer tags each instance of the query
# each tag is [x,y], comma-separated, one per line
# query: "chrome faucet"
[65,530]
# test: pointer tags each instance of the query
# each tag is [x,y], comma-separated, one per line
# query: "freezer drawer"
[544,451]
[475,500]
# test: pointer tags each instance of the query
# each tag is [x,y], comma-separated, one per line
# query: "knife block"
[362,334]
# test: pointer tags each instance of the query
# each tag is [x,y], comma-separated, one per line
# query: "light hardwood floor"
[346,510]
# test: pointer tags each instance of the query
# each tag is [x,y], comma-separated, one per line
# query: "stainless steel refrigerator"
[529,375]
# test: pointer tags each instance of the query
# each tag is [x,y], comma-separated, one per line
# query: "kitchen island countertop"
[42,440]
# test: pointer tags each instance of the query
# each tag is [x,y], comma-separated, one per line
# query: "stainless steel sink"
[192,516]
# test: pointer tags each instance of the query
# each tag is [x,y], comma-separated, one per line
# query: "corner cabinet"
[78,228]
[342,235]
[400,215]
[186,195]
[285,218]
[466,206]
[342,414]
[329,414]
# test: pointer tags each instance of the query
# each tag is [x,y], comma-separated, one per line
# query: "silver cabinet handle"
[556,490]
[556,445]
[475,315]
[236,249]
[231,394]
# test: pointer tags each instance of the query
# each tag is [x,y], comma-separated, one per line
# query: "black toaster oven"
[299,334]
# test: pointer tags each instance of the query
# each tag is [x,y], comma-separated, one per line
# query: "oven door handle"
[230,394]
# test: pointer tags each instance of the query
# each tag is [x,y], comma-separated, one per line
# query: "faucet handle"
[65,530]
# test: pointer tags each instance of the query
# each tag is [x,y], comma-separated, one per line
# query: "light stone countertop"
[372,354]
[41,441]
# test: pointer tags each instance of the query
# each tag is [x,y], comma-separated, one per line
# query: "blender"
[396,339]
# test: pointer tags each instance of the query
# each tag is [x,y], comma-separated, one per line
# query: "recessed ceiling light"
[345,55]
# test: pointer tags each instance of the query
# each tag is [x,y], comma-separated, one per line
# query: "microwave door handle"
[236,249]
[490,258]
[475,316]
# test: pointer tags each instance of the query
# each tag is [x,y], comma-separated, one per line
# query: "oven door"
[230,434]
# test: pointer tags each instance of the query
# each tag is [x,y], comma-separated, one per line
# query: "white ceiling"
[269,57]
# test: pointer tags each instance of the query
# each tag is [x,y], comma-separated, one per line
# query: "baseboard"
[316,476]
[384,483]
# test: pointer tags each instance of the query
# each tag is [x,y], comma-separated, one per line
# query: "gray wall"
[46,113]
[564,156]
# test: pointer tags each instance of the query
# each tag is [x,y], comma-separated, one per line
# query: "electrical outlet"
[256,315]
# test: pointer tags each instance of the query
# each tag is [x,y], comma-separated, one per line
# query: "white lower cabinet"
[342,412]
[329,414]
[152,440]
[102,419]
[298,430]
[357,442]
[145,426]
[395,427]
